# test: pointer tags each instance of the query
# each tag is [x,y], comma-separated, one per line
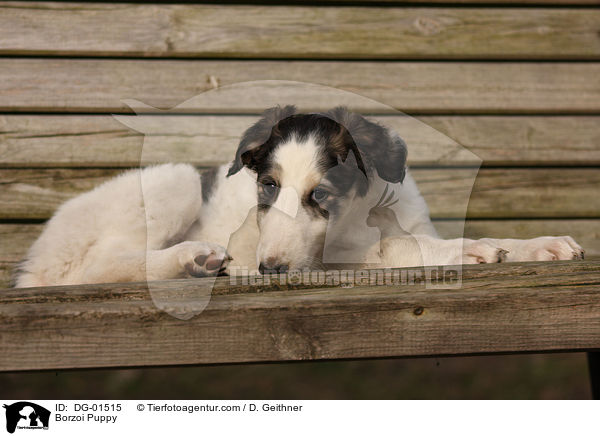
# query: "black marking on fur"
[334,139]
[209,181]
[258,134]
[352,148]
[346,175]
[314,208]
[264,200]
[383,152]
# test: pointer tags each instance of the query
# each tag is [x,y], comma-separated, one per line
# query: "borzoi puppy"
[303,191]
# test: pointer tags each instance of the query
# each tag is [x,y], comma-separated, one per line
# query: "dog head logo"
[293,233]
[26,415]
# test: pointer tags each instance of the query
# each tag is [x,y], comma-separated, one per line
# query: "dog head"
[310,168]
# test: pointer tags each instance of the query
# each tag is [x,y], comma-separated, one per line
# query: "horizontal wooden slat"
[37,193]
[83,85]
[117,29]
[97,141]
[497,193]
[497,309]
[15,239]
[511,193]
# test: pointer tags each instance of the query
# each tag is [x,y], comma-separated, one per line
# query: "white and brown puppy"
[304,191]
[320,177]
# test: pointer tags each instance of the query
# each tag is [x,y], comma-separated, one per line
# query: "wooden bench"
[518,86]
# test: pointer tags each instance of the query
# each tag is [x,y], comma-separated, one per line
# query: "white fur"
[288,235]
[128,229]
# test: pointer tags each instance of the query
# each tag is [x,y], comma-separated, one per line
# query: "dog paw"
[552,248]
[202,259]
[483,252]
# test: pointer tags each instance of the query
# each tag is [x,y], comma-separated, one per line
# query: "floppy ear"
[384,152]
[257,135]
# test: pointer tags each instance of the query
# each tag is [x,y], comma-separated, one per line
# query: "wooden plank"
[496,193]
[520,141]
[511,193]
[15,239]
[83,85]
[35,194]
[121,29]
[207,140]
[498,309]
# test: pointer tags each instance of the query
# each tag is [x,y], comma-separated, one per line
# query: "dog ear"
[257,135]
[384,152]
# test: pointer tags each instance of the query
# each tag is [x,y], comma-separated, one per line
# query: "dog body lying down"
[304,191]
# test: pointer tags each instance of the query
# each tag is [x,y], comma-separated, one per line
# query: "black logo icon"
[26,415]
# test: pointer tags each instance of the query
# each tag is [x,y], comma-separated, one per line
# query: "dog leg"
[189,258]
[480,252]
[542,249]
[420,250]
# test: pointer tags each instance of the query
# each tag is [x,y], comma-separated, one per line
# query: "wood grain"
[496,193]
[511,193]
[120,29]
[206,140]
[498,309]
[37,193]
[15,240]
[84,85]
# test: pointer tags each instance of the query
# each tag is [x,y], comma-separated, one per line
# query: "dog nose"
[273,267]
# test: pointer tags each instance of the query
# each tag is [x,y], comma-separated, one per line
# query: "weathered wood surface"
[37,193]
[496,193]
[84,85]
[207,140]
[15,239]
[120,29]
[498,309]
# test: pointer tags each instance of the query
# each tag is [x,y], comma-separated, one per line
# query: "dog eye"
[269,189]
[319,195]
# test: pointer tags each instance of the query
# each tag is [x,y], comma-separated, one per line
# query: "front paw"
[553,248]
[202,259]
[483,252]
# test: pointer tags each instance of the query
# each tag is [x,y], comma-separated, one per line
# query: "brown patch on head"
[257,135]
[383,152]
